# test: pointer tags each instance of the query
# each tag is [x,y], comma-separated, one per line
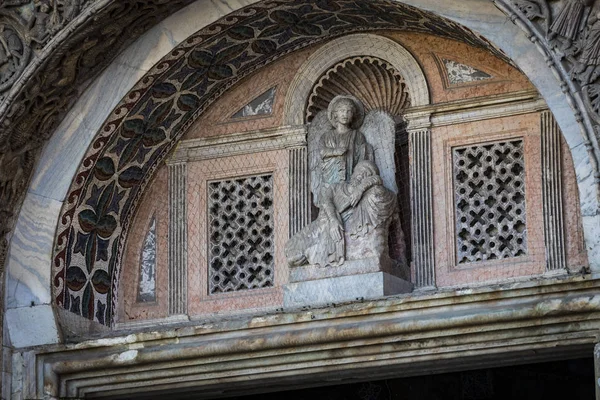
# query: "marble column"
[597,370]
[177,239]
[299,192]
[421,207]
[552,194]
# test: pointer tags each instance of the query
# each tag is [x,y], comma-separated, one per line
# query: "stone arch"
[360,44]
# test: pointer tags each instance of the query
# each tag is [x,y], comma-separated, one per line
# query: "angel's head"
[345,110]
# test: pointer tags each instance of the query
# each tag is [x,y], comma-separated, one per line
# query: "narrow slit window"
[147,281]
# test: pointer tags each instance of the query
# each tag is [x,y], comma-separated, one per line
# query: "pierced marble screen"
[489,193]
[147,281]
[240,213]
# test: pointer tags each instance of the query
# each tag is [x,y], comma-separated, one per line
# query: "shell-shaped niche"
[372,80]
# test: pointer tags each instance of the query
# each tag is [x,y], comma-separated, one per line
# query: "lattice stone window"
[240,213]
[489,193]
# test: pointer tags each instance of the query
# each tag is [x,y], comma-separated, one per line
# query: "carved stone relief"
[262,105]
[28,25]
[355,208]
[460,73]
[147,276]
[14,53]
[568,33]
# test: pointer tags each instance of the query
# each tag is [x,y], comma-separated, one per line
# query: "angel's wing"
[319,125]
[379,129]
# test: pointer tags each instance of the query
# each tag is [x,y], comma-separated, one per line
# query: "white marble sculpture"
[352,176]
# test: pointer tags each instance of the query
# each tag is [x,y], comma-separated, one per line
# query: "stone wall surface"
[28,291]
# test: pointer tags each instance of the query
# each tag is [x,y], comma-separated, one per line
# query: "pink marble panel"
[200,302]
[448,271]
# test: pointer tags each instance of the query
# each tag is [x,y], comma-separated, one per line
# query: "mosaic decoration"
[460,73]
[262,105]
[241,230]
[146,125]
[147,283]
[489,193]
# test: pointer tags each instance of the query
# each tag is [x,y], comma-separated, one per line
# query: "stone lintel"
[411,334]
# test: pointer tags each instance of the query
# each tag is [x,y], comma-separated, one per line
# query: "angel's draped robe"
[315,245]
[339,168]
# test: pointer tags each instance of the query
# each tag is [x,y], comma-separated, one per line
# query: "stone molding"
[469,110]
[237,144]
[528,321]
[337,50]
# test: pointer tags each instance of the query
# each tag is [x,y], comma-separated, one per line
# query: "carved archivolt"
[568,35]
[370,79]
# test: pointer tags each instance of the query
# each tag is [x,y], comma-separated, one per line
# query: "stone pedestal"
[368,278]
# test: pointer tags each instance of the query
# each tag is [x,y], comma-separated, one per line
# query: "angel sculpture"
[339,140]
[341,137]
[360,207]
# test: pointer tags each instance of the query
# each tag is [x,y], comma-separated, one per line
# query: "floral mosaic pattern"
[146,125]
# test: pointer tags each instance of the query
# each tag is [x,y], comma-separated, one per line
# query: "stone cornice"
[240,143]
[402,335]
[474,109]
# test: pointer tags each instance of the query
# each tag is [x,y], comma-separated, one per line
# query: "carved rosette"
[372,80]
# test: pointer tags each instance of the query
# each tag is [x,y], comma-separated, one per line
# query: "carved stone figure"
[356,203]
[42,21]
[14,55]
[337,146]
[586,68]
[570,21]
[358,211]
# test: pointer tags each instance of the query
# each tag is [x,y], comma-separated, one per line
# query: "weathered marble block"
[342,288]
[364,275]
